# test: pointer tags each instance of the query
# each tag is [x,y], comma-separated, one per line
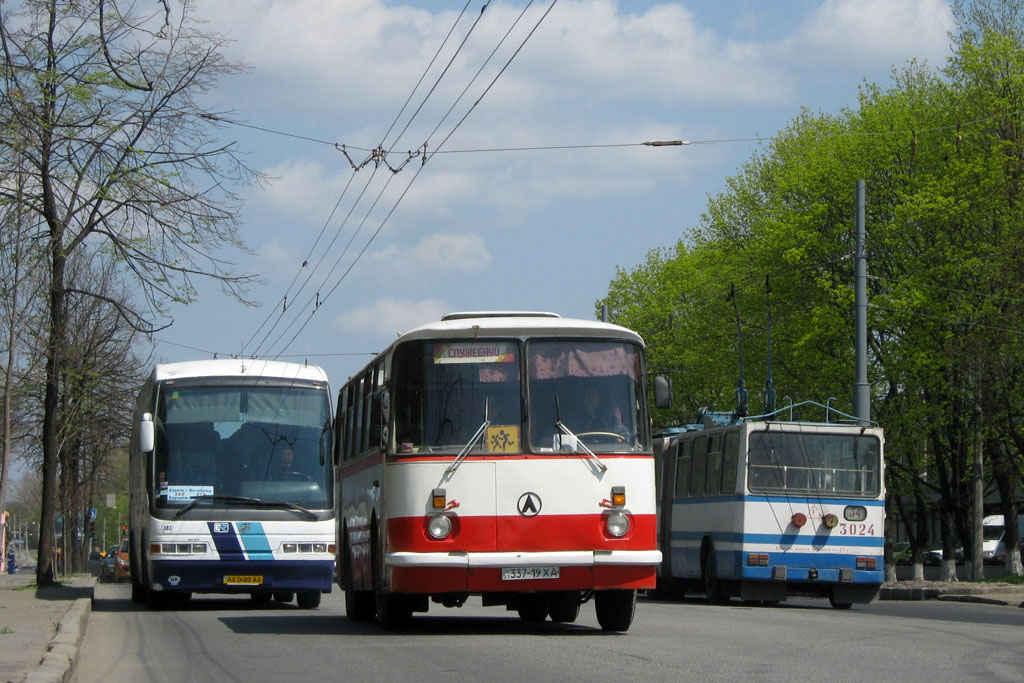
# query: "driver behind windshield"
[597,417]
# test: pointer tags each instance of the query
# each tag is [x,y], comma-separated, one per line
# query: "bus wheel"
[838,605]
[532,608]
[309,599]
[359,605]
[615,609]
[393,611]
[712,584]
[138,593]
[284,596]
[565,607]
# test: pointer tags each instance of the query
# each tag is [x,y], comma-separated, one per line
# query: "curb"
[972,598]
[59,662]
[909,593]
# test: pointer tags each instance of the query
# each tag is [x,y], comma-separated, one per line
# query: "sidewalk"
[41,629]
[961,591]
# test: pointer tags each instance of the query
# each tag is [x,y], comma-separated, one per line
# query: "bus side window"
[730,458]
[684,460]
[713,478]
[699,467]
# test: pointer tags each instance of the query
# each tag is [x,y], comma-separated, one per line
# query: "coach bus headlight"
[439,526]
[617,524]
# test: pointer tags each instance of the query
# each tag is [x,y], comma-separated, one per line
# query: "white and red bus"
[504,455]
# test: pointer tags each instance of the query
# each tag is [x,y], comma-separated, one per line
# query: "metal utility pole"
[861,391]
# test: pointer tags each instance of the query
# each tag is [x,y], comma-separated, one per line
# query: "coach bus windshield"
[814,463]
[594,388]
[261,442]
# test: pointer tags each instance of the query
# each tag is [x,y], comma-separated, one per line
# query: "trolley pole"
[861,391]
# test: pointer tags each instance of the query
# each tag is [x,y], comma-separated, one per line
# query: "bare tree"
[104,104]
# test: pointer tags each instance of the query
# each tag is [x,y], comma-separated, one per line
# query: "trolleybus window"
[822,464]
[259,441]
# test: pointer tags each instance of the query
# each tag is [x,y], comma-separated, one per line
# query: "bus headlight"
[617,524]
[439,526]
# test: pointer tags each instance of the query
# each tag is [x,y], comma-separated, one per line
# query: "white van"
[993,544]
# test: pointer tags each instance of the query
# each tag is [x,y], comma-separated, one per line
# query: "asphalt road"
[233,639]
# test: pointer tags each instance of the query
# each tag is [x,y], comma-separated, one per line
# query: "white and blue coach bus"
[232,482]
[765,508]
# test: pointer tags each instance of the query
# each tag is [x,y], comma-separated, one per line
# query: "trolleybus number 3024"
[520,573]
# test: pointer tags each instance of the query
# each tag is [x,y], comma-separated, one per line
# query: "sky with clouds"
[485,224]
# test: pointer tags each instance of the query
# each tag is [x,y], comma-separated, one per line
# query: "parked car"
[122,563]
[902,556]
[94,561]
[108,569]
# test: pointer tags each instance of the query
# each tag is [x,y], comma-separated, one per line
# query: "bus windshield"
[262,442]
[446,390]
[594,389]
[814,463]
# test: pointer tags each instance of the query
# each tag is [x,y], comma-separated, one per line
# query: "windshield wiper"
[224,499]
[251,501]
[469,445]
[568,432]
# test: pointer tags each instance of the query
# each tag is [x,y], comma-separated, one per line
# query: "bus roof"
[238,367]
[516,324]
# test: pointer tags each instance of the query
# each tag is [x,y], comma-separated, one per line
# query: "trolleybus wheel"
[615,609]
[838,605]
[712,584]
[309,599]
[284,596]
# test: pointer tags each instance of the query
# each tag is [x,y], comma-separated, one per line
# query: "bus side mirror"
[146,434]
[662,392]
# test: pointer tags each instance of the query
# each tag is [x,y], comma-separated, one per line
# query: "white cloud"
[439,251]
[389,317]
[875,31]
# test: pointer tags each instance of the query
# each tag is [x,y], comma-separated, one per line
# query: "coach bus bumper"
[242,577]
[482,572]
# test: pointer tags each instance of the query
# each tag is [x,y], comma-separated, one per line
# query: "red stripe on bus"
[522,534]
[488,579]
[371,460]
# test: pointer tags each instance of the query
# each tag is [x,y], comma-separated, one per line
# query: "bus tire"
[565,608]
[394,612]
[309,599]
[838,605]
[615,609]
[360,605]
[713,587]
[284,596]
[532,608]
[138,592]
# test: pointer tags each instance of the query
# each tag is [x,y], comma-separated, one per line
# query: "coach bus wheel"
[565,607]
[138,593]
[393,611]
[712,584]
[615,609]
[532,607]
[284,596]
[309,599]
